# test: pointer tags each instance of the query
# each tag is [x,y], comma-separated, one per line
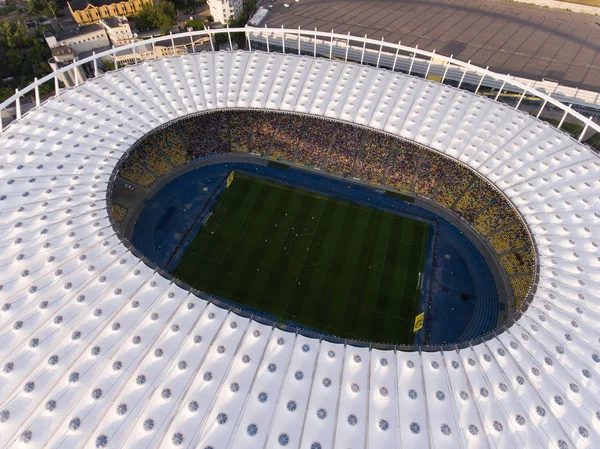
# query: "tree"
[195,24]
[238,23]
[23,58]
[47,8]
[184,5]
[166,16]
[14,35]
[156,16]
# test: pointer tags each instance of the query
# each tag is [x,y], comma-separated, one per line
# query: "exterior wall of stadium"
[143,363]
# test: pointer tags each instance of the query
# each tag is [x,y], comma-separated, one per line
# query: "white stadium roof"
[98,349]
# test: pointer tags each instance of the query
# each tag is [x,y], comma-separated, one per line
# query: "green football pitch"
[329,264]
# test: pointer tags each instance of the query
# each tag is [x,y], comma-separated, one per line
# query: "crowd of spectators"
[174,148]
[347,150]
[155,159]
[474,200]
[209,135]
[341,157]
[315,141]
[265,126]
[509,238]
[521,286]
[454,179]
[373,159]
[518,262]
[403,166]
[430,172]
[240,129]
[287,138]
[118,212]
[134,172]
[497,216]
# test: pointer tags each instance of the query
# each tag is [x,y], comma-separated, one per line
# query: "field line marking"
[415,301]
[234,238]
[301,266]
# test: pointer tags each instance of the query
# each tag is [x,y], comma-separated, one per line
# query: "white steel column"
[501,88]
[429,66]
[212,43]
[585,128]
[379,55]
[347,47]
[363,50]
[315,44]
[412,61]
[283,39]
[154,48]
[37,92]
[541,109]
[115,58]
[298,40]
[396,57]
[463,75]
[520,99]
[267,36]
[229,37]
[446,70]
[562,120]
[95,65]
[56,87]
[331,45]
[18,104]
[481,81]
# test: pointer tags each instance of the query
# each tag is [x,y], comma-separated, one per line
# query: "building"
[68,46]
[62,56]
[81,39]
[118,30]
[224,11]
[258,18]
[91,11]
[174,46]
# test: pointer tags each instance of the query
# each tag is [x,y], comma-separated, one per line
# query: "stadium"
[230,249]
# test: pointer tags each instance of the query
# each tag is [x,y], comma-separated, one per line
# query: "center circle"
[306,251]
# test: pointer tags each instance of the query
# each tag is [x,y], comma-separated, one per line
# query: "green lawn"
[329,264]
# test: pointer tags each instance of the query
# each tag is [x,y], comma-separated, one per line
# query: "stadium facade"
[101,350]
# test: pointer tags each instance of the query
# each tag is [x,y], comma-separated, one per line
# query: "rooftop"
[115,22]
[73,32]
[62,50]
[84,314]
[82,4]
[523,40]
[258,18]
